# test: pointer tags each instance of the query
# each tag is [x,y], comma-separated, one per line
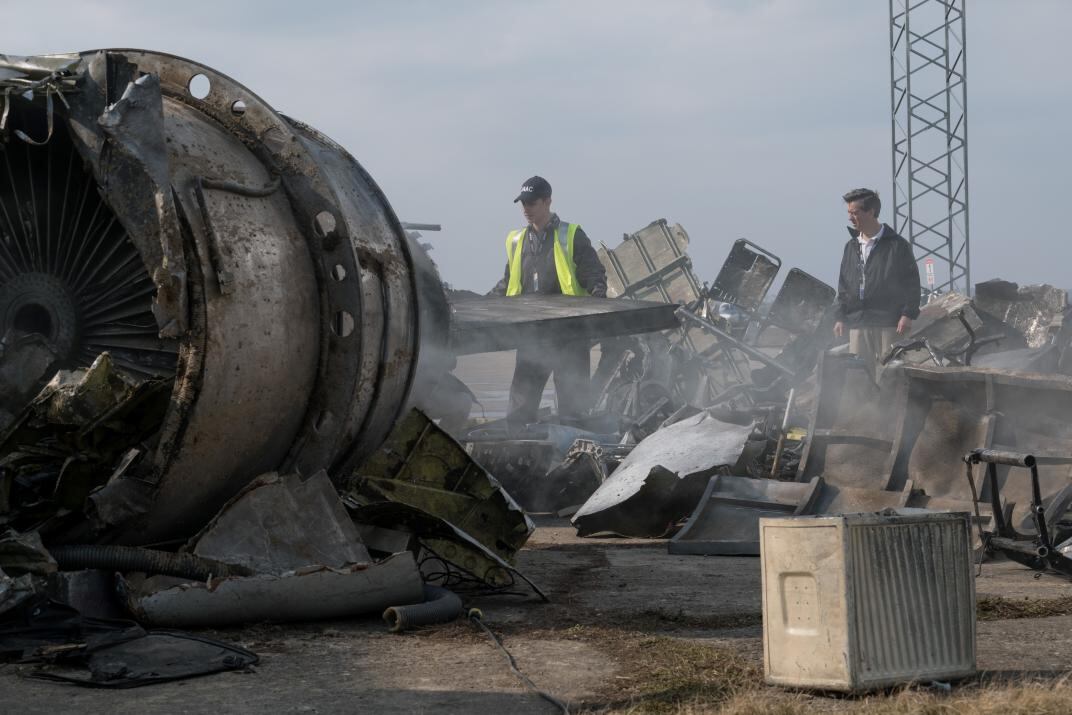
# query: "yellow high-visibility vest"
[564,265]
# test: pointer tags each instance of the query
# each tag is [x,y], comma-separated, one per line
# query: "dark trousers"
[569,362]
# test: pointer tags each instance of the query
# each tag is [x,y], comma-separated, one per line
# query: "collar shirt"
[866,246]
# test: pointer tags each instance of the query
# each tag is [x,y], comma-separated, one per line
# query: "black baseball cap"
[534,188]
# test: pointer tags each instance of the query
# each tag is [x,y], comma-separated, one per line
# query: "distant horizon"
[734,119]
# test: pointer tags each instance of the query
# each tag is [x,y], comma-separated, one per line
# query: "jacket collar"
[883,232]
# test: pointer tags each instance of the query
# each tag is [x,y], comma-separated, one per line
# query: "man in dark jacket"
[878,288]
[549,257]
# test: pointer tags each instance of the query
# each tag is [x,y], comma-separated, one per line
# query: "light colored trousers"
[872,344]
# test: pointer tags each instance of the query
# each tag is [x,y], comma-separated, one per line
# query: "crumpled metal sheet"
[280,523]
[726,519]
[916,425]
[72,438]
[153,658]
[940,323]
[15,590]
[662,478]
[25,553]
[310,561]
[424,467]
[308,594]
[17,70]
[134,174]
[442,539]
[493,323]
[1035,310]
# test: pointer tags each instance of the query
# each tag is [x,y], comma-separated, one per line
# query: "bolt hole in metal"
[343,324]
[34,318]
[199,86]
[338,272]
[238,108]
[324,224]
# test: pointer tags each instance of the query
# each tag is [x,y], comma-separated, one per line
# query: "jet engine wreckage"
[211,321]
[222,359]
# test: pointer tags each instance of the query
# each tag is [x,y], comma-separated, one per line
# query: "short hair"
[869,197]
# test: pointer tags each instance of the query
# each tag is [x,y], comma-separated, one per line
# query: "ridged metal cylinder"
[296,315]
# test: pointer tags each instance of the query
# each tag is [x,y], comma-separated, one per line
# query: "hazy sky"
[732,118]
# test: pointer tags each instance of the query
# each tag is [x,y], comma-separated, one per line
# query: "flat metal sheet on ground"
[493,323]
[726,520]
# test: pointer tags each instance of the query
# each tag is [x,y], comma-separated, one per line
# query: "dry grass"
[999,608]
[659,674]
[1034,699]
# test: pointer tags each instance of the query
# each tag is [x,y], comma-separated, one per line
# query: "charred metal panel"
[241,253]
[662,478]
[916,425]
[422,466]
[746,276]
[851,431]
[494,323]
[800,303]
[1035,310]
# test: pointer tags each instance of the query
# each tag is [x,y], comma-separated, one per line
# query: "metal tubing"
[997,456]
[1027,548]
[746,349]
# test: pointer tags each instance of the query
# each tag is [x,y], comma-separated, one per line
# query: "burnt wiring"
[475,617]
[457,578]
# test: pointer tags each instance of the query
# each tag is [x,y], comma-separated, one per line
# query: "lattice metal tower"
[928,95]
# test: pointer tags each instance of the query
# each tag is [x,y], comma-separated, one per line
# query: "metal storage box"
[862,601]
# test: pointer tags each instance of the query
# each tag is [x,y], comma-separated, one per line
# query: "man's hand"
[904,325]
[839,329]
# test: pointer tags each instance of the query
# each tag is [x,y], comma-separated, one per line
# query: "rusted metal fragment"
[663,477]
[311,593]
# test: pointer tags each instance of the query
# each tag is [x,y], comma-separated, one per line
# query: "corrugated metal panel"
[910,585]
[861,601]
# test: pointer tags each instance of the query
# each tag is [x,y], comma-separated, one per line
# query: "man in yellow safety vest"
[551,257]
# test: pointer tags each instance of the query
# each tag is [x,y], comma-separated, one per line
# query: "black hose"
[133,558]
[440,606]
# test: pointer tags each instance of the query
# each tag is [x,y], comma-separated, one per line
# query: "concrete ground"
[629,628]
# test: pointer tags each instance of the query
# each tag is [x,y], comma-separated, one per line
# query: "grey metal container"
[863,601]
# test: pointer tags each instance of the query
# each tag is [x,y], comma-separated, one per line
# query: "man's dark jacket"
[891,288]
[538,264]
